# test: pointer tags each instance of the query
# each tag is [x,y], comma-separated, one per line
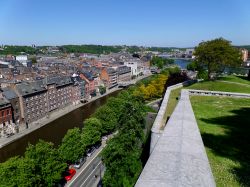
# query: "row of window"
[37,116]
[8,112]
[35,97]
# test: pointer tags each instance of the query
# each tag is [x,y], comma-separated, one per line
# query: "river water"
[54,131]
[181,63]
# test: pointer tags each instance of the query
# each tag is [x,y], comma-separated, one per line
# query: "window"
[2,113]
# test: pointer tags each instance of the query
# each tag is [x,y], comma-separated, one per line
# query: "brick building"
[124,73]
[33,101]
[59,91]
[6,123]
[13,98]
[89,83]
[110,77]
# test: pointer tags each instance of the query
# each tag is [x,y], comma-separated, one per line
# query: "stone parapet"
[178,157]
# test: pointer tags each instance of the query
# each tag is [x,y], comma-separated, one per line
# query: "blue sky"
[181,23]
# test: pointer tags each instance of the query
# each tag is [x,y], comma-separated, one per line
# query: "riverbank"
[54,116]
[46,120]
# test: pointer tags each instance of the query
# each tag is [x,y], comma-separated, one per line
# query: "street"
[89,174]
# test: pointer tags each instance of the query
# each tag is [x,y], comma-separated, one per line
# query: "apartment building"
[124,73]
[109,76]
[6,125]
[33,101]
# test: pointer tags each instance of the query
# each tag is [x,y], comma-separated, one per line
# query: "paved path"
[179,157]
[234,83]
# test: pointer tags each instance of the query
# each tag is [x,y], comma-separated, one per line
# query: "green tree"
[107,117]
[71,148]
[122,154]
[116,104]
[160,62]
[91,132]
[216,54]
[102,90]
[17,172]
[48,165]
[122,160]
[33,60]
[194,66]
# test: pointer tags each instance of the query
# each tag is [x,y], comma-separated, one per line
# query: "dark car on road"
[80,162]
[91,151]
[97,145]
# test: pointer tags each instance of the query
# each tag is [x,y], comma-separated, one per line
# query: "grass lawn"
[224,124]
[238,79]
[220,86]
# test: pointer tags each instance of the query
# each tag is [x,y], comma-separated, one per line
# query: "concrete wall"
[178,157]
[159,121]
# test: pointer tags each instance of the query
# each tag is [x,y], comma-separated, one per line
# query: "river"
[181,63]
[54,131]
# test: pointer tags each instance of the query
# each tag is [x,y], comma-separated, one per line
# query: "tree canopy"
[107,117]
[48,164]
[18,172]
[91,132]
[71,148]
[160,62]
[217,54]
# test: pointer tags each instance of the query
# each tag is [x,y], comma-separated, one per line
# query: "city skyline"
[143,23]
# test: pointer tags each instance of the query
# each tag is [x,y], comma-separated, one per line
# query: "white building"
[244,54]
[136,67]
[189,52]
[22,59]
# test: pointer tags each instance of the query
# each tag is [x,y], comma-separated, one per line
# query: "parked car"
[91,151]
[80,162]
[68,175]
[97,145]
[104,138]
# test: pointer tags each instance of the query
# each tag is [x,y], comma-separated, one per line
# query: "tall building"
[244,54]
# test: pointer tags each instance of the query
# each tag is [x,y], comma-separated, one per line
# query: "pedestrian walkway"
[242,84]
[179,157]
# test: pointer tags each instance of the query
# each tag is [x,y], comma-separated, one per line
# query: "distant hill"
[244,46]
[93,49]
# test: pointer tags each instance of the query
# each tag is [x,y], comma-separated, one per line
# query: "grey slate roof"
[27,88]
[123,69]
[58,80]
[4,101]
[111,70]
[9,94]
